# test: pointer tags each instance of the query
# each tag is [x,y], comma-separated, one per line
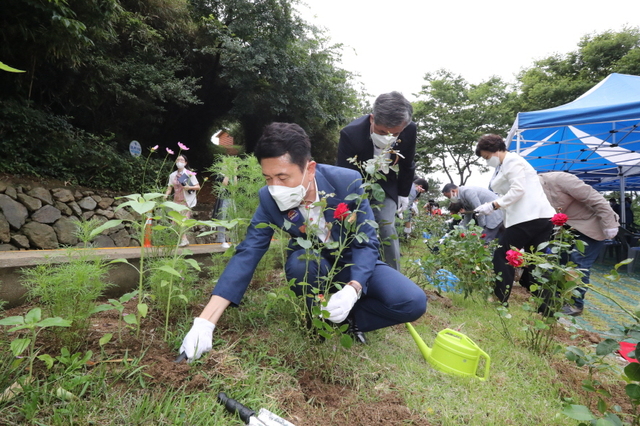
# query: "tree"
[561,78]
[451,115]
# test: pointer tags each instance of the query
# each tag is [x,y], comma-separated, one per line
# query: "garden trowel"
[249,417]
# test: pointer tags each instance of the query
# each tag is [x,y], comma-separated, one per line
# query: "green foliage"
[172,282]
[81,279]
[466,255]
[452,114]
[33,322]
[244,180]
[562,78]
[41,144]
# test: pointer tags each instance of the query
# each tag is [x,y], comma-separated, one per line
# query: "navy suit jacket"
[355,141]
[336,184]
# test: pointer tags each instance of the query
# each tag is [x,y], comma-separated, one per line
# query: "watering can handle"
[487,364]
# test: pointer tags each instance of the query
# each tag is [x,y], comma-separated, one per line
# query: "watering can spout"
[424,349]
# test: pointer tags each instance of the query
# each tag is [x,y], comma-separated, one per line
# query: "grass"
[263,357]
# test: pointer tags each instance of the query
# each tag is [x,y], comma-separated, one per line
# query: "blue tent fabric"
[596,137]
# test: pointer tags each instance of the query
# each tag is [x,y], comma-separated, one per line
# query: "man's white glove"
[199,339]
[403,203]
[611,233]
[341,303]
[485,209]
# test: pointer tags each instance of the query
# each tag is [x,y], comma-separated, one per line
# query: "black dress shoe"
[355,332]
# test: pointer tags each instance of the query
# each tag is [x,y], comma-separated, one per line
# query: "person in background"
[527,211]
[591,217]
[221,209]
[372,296]
[628,215]
[419,186]
[185,187]
[388,127]
[472,197]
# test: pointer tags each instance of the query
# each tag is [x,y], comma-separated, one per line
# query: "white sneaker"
[225,245]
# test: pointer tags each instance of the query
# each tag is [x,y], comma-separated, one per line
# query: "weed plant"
[180,294]
[68,290]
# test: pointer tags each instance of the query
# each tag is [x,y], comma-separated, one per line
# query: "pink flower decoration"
[169,151]
[155,148]
[183,146]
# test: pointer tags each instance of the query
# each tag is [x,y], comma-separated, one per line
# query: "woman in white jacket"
[185,187]
[527,211]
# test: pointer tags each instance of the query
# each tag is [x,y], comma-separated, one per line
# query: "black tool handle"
[181,357]
[234,406]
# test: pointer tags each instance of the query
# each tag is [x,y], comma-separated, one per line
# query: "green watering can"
[453,353]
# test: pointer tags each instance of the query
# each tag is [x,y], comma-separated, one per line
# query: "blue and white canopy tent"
[596,137]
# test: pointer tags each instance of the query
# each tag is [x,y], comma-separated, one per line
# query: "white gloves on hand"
[403,203]
[199,339]
[611,233]
[485,209]
[341,303]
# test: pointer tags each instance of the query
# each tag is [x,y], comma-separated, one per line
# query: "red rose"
[474,234]
[483,236]
[461,235]
[341,212]
[515,258]
[559,219]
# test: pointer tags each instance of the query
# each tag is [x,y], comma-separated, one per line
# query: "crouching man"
[373,295]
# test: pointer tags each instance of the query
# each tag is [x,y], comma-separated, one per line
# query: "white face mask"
[454,198]
[382,141]
[288,198]
[493,161]
[180,165]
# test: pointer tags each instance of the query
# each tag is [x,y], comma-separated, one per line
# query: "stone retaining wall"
[39,218]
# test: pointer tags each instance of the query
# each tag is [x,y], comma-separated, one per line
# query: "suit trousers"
[388,297]
[522,236]
[385,215]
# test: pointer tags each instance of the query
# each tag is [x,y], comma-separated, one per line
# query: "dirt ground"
[315,400]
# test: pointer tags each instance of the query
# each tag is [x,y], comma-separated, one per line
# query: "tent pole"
[623,219]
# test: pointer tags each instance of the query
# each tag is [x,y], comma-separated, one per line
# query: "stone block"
[40,235]
[63,195]
[41,194]
[32,204]
[46,214]
[15,213]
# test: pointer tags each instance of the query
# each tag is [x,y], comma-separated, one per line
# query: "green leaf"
[183,297]
[101,308]
[168,269]
[47,359]
[143,309]
[606,347]
[633,391]
[346,341]
[633,371]
[7,68]
[19,345]
[15,320]
[122,260]
[304,243]
[105,339]
[107,225]
[54,322]
[33,316]
[130,319]
[578,412]
[193,263]
[602,406]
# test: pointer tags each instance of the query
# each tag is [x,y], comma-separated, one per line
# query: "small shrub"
[68,290]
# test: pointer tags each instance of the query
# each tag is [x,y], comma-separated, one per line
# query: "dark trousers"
[390,298]
[524,235]
[585,261]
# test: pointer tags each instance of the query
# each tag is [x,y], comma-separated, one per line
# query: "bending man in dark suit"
[373,295]
[389,126]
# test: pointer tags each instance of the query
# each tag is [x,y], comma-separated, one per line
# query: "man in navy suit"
[389,127]
[373,295]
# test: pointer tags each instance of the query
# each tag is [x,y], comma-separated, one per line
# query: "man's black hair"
[422,182]
[279,139]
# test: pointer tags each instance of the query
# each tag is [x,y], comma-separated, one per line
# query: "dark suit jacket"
[335,184]
[355,140]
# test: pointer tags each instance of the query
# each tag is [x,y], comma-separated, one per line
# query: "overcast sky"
[392,44]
